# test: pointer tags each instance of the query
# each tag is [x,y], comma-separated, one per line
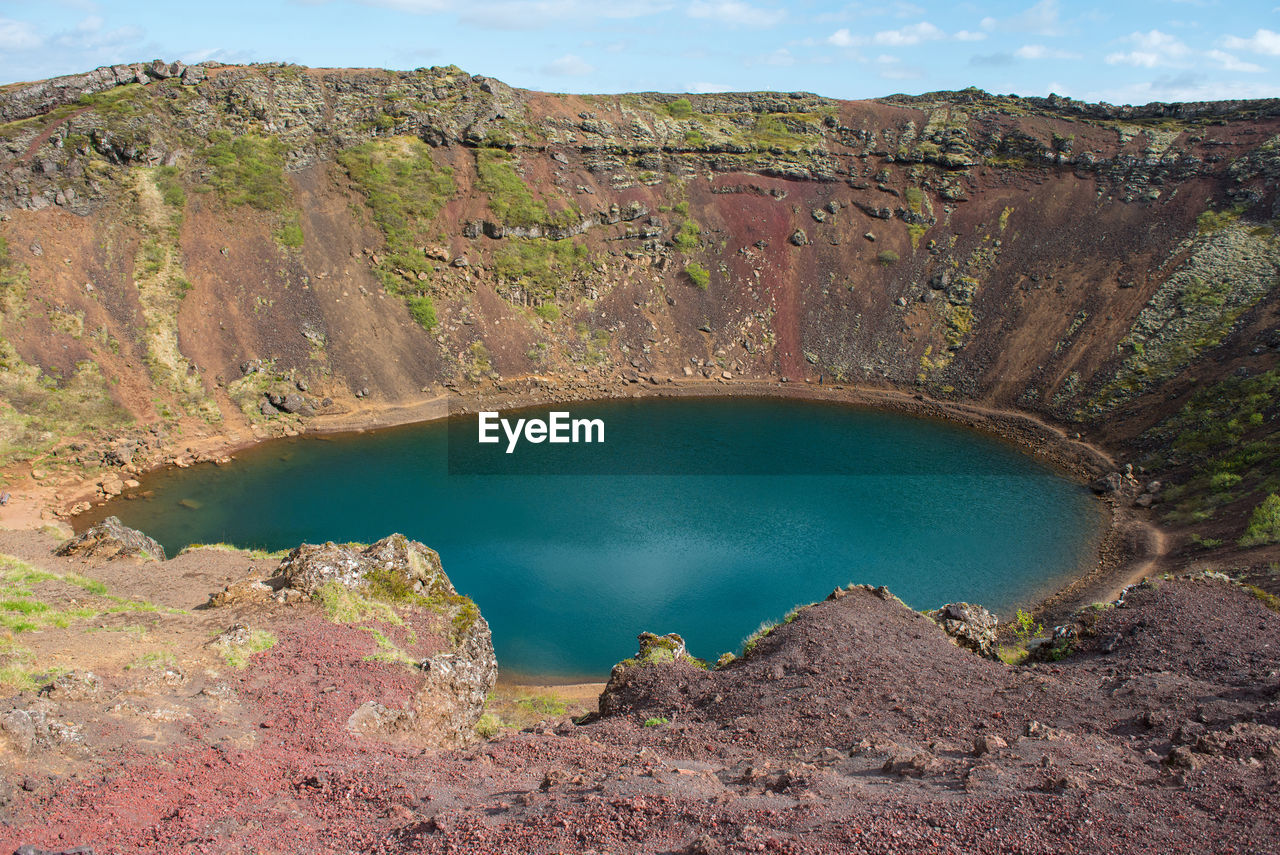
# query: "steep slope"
[183,247]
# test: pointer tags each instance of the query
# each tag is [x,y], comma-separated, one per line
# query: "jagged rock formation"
[111,539]
[398,587]
[970,626]
[394,562]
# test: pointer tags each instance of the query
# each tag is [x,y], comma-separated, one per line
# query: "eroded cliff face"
[191,247]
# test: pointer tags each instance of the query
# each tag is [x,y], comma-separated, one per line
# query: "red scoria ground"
[857,727]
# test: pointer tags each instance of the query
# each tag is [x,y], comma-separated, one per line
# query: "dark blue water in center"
[784,501]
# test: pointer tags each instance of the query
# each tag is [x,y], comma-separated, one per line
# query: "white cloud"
[968,36]
[523,14]
[736,14]
[1154,49]
[909,35]
[234,56]
[89,36]
[842,38]
[704,88]
[781,57]
[1042,19]
[1184,87]
[1229,62]
[1263,41]
[853,11]
[18,35]
[1042,52]
[569,65]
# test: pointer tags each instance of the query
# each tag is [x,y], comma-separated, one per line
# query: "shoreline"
[1129,547]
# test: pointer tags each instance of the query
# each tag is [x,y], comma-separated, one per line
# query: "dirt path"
[42,138]
[1158,542]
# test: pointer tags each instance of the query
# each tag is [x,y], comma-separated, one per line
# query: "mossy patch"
[1264,523]
[247,170]
[39,409]
[510,199]
[405,191]
[698,275]
[541,270]
[237,655]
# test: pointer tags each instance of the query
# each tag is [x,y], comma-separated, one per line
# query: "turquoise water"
[698,516]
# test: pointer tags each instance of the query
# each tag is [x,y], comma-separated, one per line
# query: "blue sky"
[1121,52]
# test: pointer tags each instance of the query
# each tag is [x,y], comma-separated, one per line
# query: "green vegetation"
[423,311]
[383,592]
[254,554]
[405,191]
[541,268]
[771,132]
[680,108]
[44,407]
[1227,437]
[687,236]
[915,199]
[480,362]
[22,610]
[916,231]
[388,651]
[1025,627]
[548,311]
[1015,655]
[17,670]
[698,275]
[657,721]
[751,641]
[247,170]
[547,706]
[595,344]
[289,234]
[168,181]
[237,655]
[887,257]
[1264,525]
[1212,221]
[488,726]
[344,605]
[510,198]
[959,325]
[1226,273]
[1271,601]
[158,660]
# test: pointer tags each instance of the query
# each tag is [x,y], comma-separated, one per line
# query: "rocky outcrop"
[112,539]
[395,563]
[456,685]
[396,584]
[970,626]
[443,712]
[630,688]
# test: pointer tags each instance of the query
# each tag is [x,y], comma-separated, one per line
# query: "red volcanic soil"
[857,727]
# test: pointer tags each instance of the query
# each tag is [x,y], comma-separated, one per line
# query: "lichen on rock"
[112,539]
[968,626]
